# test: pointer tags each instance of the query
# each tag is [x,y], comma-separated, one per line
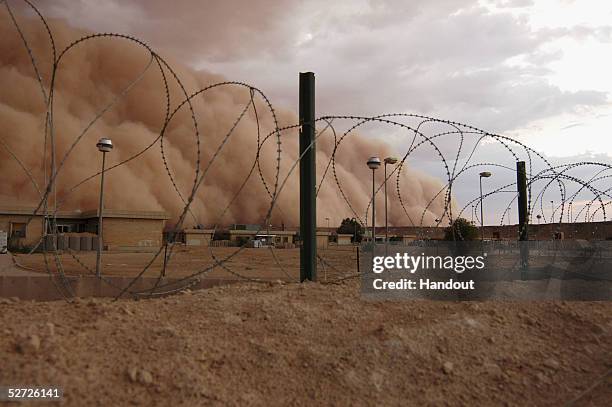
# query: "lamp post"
[484,174]
[373,164]
[105,145]
[327,219]
[388,160]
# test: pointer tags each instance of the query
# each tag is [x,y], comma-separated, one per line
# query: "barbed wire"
[455,165]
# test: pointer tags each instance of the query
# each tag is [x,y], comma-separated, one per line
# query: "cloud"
[450,58]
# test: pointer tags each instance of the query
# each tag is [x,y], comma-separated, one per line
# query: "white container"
[3,242]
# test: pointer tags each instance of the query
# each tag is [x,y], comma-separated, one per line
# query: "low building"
[344,239]
[198,237]
[323,238]
[407,239]
[278,238]
[122,230]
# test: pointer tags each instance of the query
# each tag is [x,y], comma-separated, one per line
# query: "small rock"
[28,344]
[472,323]
[543,378]
[447,367]
[126,311]
[50,329]
[145,377]
[139,375]
[552,363]
[132,373]
[493,369]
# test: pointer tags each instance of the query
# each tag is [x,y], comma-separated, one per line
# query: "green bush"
[463,230]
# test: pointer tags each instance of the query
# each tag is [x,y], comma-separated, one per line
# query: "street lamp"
[105,145]
[327,219]
[388,160]
[354,222]
[484,174]
[373,164]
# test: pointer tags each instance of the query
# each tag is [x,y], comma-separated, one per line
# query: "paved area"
[8,268]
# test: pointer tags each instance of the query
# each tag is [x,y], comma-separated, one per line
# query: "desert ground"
[309,344]
[261,263]
[285,343]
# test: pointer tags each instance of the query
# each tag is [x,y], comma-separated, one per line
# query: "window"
[62,228]
[18,230]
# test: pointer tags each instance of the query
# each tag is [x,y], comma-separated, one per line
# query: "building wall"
[322,240]
[127,232]
[344,239]
[33,229]
[586,231]
[198,238]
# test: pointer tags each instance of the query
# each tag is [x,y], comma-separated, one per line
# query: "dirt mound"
[257,344]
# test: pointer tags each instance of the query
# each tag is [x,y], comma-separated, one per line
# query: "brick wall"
[132,232]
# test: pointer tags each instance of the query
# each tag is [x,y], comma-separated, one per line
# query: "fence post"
[308,204]
[521,183]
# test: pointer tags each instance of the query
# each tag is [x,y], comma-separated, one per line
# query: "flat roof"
[108,213]
[198,231]
[262,231]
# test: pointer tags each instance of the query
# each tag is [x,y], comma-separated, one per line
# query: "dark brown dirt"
[257,344]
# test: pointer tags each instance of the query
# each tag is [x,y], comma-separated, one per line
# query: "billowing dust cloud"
[96,71]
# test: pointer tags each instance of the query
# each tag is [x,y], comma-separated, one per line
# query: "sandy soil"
[311,344]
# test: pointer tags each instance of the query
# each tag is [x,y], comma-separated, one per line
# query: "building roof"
[108,213]
[262,231]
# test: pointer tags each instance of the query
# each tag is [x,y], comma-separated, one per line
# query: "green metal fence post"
[521,183]
[308,204]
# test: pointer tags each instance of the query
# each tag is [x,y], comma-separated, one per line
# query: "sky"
[535,70]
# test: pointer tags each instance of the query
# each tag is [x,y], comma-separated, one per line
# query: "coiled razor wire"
[455,163]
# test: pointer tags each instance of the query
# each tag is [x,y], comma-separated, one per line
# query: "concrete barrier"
[86,243]
[62,242]
[74,242]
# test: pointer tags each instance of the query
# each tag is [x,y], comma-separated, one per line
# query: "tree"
[350,226]
[464,230]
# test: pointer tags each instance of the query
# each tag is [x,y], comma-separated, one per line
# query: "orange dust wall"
[127,232]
